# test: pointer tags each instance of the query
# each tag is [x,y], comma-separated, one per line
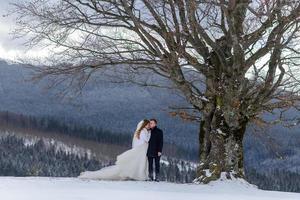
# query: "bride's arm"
[145,136]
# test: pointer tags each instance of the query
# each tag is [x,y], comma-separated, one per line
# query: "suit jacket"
[155,143]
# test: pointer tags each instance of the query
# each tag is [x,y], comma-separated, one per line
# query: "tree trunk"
[221,145]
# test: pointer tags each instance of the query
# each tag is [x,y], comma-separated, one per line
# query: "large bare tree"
[232,60]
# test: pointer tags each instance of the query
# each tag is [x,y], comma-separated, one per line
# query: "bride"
[131,164]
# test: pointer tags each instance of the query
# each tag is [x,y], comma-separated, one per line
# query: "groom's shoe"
[150,178]
[156,178]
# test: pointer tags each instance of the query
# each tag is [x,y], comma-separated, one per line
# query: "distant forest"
[18,159]
[275,179]
[38,159]
[49,124]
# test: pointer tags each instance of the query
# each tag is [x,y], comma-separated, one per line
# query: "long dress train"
[131,164]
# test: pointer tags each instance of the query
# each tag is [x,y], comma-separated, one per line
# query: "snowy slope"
[74,189]
[114,107]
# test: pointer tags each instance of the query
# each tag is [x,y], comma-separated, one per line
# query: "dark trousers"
[157,166]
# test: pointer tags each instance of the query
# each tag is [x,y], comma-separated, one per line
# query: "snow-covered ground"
[33,188]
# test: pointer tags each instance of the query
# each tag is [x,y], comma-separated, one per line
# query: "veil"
[137,128]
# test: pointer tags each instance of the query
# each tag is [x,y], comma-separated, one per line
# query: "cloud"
[10,48]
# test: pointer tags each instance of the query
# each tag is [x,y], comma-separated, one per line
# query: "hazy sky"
[9,48]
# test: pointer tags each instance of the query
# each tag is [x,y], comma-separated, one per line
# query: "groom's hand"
[159,153]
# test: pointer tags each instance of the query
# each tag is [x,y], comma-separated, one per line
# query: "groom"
[154,149]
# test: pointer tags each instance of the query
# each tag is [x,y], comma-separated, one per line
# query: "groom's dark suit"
[155,145]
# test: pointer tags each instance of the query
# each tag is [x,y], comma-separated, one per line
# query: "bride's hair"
[138,132]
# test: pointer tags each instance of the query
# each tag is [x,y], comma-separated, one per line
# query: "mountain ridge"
[119,107]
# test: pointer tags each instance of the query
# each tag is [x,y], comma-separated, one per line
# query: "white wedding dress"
[131,164]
